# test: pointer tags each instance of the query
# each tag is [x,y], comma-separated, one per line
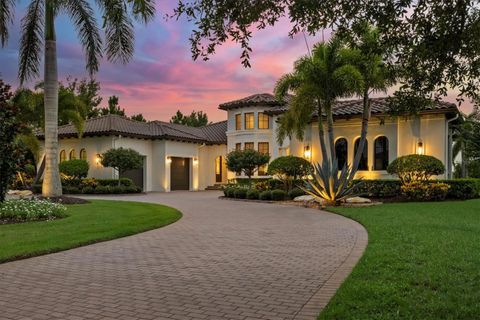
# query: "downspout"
[448,149]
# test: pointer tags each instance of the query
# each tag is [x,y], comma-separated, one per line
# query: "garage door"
[180,174]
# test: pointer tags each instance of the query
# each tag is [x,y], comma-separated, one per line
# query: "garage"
[180,174]
[135,175]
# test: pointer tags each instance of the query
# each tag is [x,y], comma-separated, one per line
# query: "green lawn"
[422,262]
[87,223]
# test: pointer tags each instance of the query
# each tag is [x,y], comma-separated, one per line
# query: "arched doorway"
[218,169]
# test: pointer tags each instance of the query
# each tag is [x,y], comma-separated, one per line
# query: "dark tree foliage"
[436,42]
[195,119]
[88,91]
[138,117]
[246,161]
[113,107]
[122,160]
[9,127]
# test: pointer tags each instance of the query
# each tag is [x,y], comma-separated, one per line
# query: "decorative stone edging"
[322,297]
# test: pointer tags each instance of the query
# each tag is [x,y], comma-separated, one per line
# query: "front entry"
[180,174]
[218,169]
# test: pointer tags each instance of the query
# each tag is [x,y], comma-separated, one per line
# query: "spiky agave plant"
[329,184]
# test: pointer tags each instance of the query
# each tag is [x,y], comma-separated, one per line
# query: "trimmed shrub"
[102,189]
[415,167]
[74,169]
[253,194]
[88,190]
[463,188]
[378,188]
[231,192]
[295,192]
[278,195]
[126,182]
[265,195]
[71,190]
[421,191]
[240,193]
[288,169]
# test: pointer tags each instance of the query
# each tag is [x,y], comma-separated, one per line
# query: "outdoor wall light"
[98,159]
[420,147]
[195,160]
[169,159]
[307,153]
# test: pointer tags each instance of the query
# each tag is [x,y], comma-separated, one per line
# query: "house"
[178,157]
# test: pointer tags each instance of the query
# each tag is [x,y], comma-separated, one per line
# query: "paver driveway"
[222,260]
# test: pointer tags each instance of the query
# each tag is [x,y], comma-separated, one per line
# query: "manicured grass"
[86,223]
[422,262]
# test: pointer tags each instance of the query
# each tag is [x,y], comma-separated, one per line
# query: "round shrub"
[253,194]
[289,168]
[415,167]
[231,192]
[117,189]
[295,192]
[278,195]
[74,169]
[102,189]
[265,195]
[240,193]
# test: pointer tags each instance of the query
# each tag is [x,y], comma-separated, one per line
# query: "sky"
[162,78]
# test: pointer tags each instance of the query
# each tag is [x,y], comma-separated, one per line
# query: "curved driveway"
[222,260]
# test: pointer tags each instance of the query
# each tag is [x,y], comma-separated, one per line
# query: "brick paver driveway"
[222,260]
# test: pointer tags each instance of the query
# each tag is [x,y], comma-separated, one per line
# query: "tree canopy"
[122,160]
[195,119]
[436,41]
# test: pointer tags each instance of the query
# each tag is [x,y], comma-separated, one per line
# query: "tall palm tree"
[316,82]
[38,32]
[369,58]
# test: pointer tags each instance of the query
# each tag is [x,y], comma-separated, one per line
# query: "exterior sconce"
[420,147]
[169,160]
[98,159]
[307,153]
[195,161]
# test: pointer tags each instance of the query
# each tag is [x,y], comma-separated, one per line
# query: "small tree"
[195,119]
[9,127]
[246,161]
[74,169]
[415,167]
[288,169]
[122,160]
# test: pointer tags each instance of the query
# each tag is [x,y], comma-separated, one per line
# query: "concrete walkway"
[223,260]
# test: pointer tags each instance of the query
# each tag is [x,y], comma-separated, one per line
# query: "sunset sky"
[162,78]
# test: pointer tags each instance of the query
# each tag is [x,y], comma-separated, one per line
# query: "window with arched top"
[341,151]
[381,153]
[83,154]
[72,155]
[363,164]
[63,156]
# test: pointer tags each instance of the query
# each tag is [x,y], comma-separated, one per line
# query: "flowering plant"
[31,210]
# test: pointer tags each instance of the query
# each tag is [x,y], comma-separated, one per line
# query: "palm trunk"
[363,136]
[321,133]
[331,137]
[52,186]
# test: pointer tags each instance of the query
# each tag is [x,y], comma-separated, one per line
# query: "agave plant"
[329,184]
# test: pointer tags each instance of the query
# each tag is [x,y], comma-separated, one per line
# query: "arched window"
[72,155]
[341,150]
[63,156]
[83,154]
[381,154]
[363,165]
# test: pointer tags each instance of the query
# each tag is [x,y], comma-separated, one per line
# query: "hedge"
[459,188]
[96,186]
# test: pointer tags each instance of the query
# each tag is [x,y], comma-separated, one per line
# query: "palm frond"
[118,30]
[84,20]
[6,17]
[143,10]
[31,41]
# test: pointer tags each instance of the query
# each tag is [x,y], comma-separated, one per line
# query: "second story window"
[249,145]
[249,121]
[263,121]
[238,121]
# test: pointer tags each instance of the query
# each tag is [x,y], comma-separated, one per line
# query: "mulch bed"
[65,200]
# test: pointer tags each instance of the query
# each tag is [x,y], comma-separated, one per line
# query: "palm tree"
[368,56]
[464,135]
[317,81]
[38,30]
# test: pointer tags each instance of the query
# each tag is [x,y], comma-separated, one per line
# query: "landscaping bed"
[95,186]
[421,263]
[27,210]
[96,221]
